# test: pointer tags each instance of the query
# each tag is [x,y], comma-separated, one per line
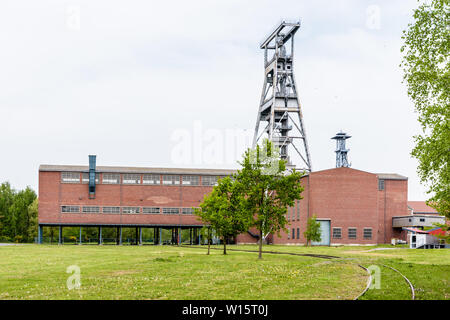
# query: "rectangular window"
[85,178]
[151,210]
[70,177]
[191,180]
[298,210]
[337,233]
[380,184]
[111,178]
[352,233]
[70,209]
[298,233]
[293,233]
[91,209]
[368,233]
[171,179]
[112,210]
[151,179]
[131,178]
[130,210]
[187,210]
[171,210]
[209,180]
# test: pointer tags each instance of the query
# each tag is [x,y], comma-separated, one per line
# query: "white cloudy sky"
[121,79]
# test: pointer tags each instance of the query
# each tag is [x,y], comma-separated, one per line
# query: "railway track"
[411,287]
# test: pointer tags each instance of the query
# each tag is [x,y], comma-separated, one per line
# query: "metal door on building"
[324,234]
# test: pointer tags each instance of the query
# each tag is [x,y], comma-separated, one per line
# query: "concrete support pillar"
[160,236]
[190,236]
[120,236]
[100,239]
[60,236]
[40,234]
[140,236]
[81,240]
[179,236]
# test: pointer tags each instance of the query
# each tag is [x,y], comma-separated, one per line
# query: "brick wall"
[345,196]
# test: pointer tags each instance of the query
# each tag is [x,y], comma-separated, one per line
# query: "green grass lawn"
[170,272]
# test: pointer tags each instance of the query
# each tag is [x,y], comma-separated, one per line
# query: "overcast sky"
[129,80]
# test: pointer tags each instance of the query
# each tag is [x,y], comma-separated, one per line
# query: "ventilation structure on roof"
[92,165]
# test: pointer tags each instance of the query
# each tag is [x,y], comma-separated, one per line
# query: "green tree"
[223,210]
[426,72]
[206,232]
[7,195]
[20,216]
[269,189]
[33,219]
[313,232]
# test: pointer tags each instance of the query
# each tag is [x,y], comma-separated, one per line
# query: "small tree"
[313,232]
[206,232]
[223,210]
[33,209]
[269,189]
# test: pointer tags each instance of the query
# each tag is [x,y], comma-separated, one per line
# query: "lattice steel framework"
[280,109]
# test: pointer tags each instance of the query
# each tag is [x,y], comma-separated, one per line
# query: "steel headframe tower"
[341,151]
[280,109]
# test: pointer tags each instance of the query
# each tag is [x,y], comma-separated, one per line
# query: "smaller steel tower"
[341,151]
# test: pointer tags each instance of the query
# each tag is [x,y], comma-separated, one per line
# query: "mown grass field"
[171,272]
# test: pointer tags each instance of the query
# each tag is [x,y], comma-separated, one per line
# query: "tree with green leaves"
[223,210]
[313,232]
[426,66]
[18,217]
[33,209]
[206,232]
[269,189]
[7,195]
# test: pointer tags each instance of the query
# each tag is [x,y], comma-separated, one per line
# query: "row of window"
[352,233]
[125,210]
[133,178]
[337,233]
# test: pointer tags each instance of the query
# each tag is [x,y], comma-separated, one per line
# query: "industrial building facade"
[353,207]
[124,197]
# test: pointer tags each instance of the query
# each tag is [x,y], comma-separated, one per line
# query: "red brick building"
[124,197]
[353,206]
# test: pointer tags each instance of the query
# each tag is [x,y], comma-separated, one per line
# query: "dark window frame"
[365,237]
[335,236]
